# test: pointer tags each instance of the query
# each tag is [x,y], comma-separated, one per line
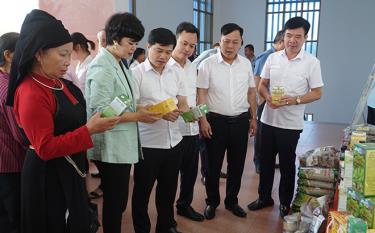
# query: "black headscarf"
[39,30]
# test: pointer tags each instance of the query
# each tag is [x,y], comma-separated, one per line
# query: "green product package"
[363,168]
[356,225]
[353,200]
[117,107]
[366,211]
[195,113]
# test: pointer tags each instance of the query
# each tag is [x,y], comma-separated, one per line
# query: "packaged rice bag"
[325,157]
[316,183]
[321,174]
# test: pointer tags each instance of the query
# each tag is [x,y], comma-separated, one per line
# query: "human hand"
[205,128]
[252,127]
[145,116]
[98,124]
[172,116]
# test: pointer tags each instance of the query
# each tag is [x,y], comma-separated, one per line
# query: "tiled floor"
[263,221]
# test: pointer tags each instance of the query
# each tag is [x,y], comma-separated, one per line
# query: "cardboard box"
[163,107]
[364,169]
[117,107]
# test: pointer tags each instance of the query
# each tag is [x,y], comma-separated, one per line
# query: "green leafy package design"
[366,211]
[117,107]
[363,169]
[356,225]
[353,200]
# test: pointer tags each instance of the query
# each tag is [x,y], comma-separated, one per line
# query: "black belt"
[237,117]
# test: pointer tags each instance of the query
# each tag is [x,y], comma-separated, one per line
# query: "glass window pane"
[299,6]
[314,48]
[311,5]
[209,6]
[281,6]
[202,5]
[201,47]
[195,4]
[315,26]
[317,6]
[195,18]
[269,8]
[287,7]
[269,27]
[202,26]
[294,5]
[305,5]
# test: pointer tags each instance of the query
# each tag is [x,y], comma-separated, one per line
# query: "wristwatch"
[298,100]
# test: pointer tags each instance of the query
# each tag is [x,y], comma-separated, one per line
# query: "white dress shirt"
[227,84]
[189,72]
[134,64]
[81,71]
[152,88]
[297,76]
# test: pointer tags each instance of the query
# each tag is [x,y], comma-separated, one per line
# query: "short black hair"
[79,39]
[250,46]
[162,36]
[279,36]
[138,51]
[229,28]
[8,41]
[122,25]
[187,27]
[298,22]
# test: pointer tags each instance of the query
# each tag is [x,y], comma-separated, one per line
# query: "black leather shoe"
[258,204]
[284,210]
[209,212]
[190,213]
[173,230]
[236,210]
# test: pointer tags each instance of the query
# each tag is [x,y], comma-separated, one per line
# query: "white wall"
[346,48]
[347,53]
[249,14]
[163,13]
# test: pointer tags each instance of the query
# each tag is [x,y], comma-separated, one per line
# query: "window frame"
[203,8]
[308,9]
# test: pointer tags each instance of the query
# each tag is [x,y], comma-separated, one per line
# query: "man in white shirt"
[161,141]
[299,74]
[226,84]
[187,36]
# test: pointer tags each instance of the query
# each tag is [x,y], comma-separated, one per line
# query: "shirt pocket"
[297,84]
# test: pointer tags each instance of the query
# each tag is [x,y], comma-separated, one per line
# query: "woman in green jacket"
[116,150]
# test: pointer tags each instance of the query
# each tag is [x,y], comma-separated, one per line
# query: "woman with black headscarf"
[52,113]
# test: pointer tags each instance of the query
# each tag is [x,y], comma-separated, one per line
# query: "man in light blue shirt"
[278,44]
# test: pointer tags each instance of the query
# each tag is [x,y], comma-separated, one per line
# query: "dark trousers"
[370,115]
[228,134]
[161,165]
[10,202]
[115,186]
[257,137]
[284,142]
[203,156]
[188,170]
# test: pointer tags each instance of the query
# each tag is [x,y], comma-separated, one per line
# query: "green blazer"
[105,80]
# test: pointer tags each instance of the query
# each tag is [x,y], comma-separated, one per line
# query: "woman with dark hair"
[81,52]
[12,145]
[139,56]
[51,111]
[116,150]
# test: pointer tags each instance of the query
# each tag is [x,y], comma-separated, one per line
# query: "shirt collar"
[220,58]
[299,55]
[149,67]
[173,62]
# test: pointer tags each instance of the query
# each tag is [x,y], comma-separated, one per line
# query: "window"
[202,19]
[279,11]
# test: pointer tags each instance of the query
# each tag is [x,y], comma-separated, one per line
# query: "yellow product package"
[163,107]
